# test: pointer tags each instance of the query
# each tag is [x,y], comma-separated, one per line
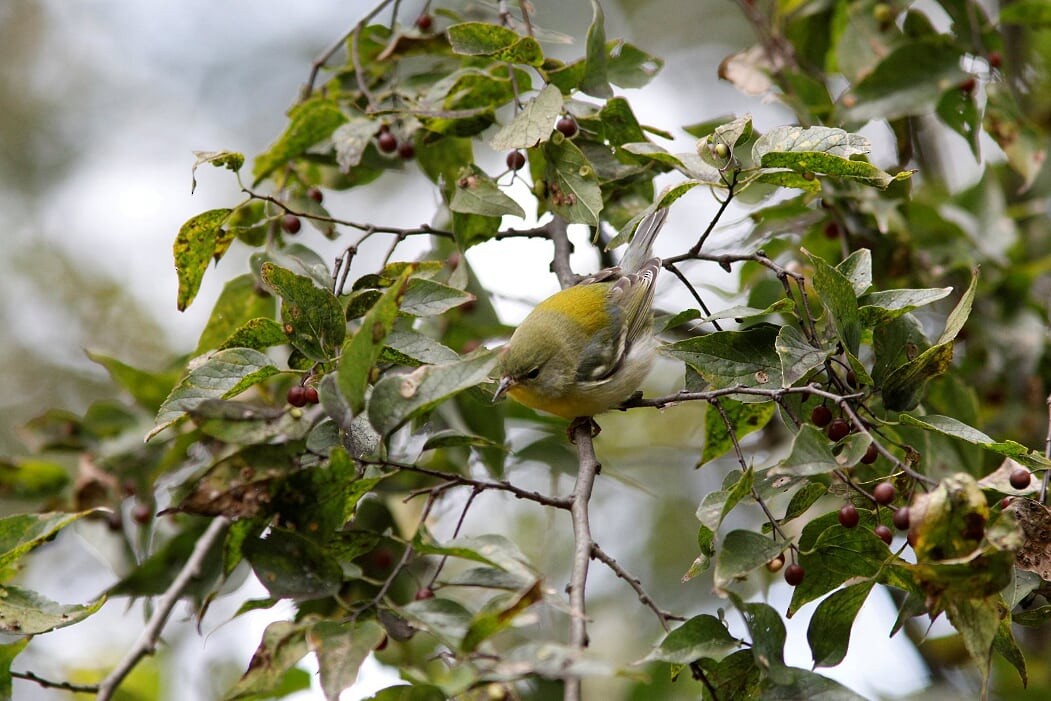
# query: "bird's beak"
[501,389]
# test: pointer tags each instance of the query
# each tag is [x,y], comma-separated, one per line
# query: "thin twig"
[48,684]
[318,63]
[456,532]
[635,583]
[1047,454]
[557,230]
[147,643]
[583,545]
[503,485]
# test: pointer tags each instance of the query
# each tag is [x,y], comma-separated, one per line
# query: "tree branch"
[147,642]
[48,684]
[583,545]
[558,231]
[636,584]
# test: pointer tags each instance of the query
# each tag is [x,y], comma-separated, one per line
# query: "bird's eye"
[533,374]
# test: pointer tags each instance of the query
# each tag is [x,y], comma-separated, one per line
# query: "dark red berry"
[776,564]
[568,126]
[911,538]
[838,429]
[848,516]
[884,534]
[883,493]
[407,151]
[316,195]
[516,160]
[871,453]
[832,230]
[381,645]
[291,224]
[297,395]
[901,519]
[995,59]
[424,593]
[1020,478]
[142,513]
[794,574]
[311,395]
[114,521]
[1005,502]
[820,416]
[852,379]
[968,85]
[424,22]
[387,142]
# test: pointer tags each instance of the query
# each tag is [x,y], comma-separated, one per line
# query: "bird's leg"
[588,421]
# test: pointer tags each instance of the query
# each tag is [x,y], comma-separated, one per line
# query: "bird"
[586,349]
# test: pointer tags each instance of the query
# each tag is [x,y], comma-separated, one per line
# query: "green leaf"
[907,82]
[701,636]
[1006,644]
[532,125]
[293,566]
[220,159]
[350,140]
[8,653]
[240,485]
[24,532]
[498,614]
[830,141]
[283,645]
[735,677]
[341,647]
[958,316]
[811,454]
[1022,141]
[767,631]
[595,81]
[364,348]
[257,334]
[408,347]
[416,692]
[477,193]
[948,426]
[804,684]
[959,110]
[629,66]
[24,612]
[857,267]
[572,185]
[313,319]
[398,398]
[880,307]
[240,301]
[838,298]
[977,620]
[731,358]
[484,39]
[222,375]
[148,389]
[32,478]
[831,555]
[829,630]
[744,419]
[309,123]
[798,356]
[240,422]
[195,246]
[153,576]
[445,619]
[1030,13]
[742,552]
[425,297]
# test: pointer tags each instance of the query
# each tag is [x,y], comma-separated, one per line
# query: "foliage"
[316,401]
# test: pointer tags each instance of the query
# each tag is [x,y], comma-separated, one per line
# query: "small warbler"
[586,349]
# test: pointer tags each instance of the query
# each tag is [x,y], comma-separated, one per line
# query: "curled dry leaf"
[1035,520]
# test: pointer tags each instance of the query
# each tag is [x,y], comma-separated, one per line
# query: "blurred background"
[102,105]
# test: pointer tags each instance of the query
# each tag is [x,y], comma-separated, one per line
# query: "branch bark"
[583,544]
[147,642]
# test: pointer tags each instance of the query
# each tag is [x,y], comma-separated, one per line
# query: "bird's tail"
[641,246]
